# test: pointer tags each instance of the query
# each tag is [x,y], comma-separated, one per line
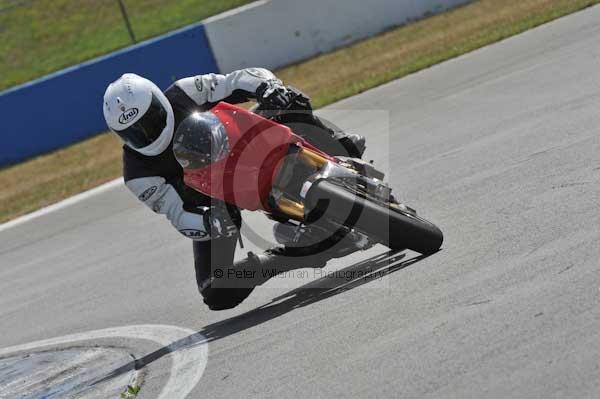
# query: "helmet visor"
[146,130]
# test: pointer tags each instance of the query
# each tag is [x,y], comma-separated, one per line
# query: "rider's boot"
[256,269]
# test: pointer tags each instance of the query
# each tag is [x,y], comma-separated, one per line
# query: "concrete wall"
[66,107]
[273,33]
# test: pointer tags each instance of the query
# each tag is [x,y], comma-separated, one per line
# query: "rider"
[145,118]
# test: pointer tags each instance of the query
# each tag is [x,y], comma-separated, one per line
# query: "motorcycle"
[264,166]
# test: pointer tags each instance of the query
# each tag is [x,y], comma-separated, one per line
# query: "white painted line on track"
[189,351]
[62,204]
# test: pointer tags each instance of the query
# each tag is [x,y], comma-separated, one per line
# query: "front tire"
[391,227]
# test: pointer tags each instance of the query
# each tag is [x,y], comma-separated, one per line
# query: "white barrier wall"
[274,33]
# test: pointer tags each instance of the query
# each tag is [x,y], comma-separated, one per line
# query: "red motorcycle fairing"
[257,148]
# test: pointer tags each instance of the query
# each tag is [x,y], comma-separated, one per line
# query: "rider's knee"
[224,298]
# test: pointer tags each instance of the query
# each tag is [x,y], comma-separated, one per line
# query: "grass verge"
[42,36]
[330,77]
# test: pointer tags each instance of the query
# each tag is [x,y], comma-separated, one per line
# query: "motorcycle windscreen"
[200,140]
[257,147]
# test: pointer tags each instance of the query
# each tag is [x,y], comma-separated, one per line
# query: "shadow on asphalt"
[308,294]
[370,269]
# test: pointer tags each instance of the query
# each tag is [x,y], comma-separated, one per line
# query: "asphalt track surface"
[500,148]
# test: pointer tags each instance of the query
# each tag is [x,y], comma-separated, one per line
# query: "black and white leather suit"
[157,181]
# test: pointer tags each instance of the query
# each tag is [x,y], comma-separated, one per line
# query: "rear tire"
[391,227]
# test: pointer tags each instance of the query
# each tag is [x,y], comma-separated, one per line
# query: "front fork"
[356,174]
[291,207]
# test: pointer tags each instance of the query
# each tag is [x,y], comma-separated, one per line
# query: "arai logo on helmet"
[128,115]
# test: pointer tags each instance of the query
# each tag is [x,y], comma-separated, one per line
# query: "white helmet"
[139,113]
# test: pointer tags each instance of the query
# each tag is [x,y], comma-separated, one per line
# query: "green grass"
[330,77]
[43,36]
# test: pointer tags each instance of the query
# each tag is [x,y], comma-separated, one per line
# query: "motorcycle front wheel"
[387,225]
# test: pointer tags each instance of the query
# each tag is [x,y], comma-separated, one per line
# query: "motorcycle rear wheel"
[387,225]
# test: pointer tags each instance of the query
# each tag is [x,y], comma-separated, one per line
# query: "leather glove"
[272,94]
[299,101]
